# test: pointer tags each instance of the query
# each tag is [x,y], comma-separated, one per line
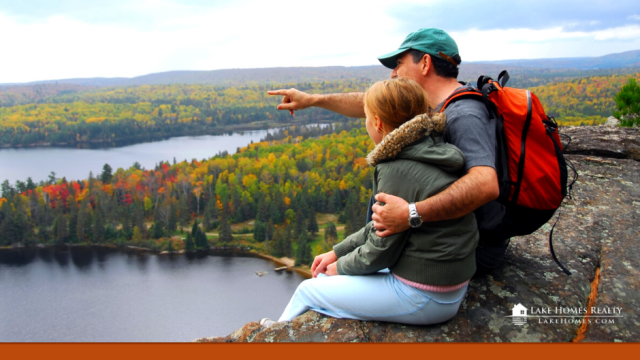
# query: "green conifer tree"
[353,219]
[110,233]
[300,224]
[194,230]
[303,253]
[172,225]
[8,229]
[157,230]
[259,230]
[168,245]
[85,220]
[72,224]
[628,103]
[60,229]
[224,233]
[263,211]
[138,219]
[276,215]
[287,242]
[331,234]
[107,174]
[188,243]
[201,240]
[278,243]
[183,213]
[98,225]
[210,215]
[312,223]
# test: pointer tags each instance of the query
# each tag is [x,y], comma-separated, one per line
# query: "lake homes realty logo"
[520,314]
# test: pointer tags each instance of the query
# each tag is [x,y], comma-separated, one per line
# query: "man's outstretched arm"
[347,104]
[476,188]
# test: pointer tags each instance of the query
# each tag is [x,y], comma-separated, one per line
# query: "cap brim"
[390,60]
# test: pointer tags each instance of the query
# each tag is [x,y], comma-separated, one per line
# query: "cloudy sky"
[44,39]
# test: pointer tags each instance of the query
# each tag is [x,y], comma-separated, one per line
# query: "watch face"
[415,221]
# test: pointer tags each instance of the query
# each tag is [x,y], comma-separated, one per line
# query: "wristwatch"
[414,219]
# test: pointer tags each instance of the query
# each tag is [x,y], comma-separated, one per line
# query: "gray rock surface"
[612,121]
[605,141]
[598,228]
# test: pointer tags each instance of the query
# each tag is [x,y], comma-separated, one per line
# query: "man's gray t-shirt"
[472,130]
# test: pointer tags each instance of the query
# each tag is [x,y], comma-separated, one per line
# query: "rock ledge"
[599,227]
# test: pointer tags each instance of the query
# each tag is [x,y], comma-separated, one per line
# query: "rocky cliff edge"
[596,237]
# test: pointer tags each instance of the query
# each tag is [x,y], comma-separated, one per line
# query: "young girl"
[425,270]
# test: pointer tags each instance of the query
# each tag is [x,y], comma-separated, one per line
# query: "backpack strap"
[466,93]
[553,253]
[486,84]
[503,78]
[501,154]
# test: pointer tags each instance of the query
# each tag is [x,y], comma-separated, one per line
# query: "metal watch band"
[413,212]
[415,220]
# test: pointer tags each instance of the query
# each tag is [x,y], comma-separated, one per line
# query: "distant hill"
[620,60]
[280,75]
[543,70]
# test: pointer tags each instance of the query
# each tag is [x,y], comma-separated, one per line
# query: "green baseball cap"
[432,41]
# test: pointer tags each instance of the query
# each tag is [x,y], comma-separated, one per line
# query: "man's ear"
[425,64]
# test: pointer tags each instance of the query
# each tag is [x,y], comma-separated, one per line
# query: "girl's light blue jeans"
[376,297]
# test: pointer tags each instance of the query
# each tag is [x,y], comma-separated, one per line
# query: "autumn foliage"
[148,112]
[275,182]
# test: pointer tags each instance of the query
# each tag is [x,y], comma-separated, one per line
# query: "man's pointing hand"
[293,99]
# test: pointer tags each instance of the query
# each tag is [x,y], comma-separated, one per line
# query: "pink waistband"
[434,288]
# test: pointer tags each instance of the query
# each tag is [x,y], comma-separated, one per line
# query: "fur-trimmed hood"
[419,139]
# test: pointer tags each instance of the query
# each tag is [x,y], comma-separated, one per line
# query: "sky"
[47,40]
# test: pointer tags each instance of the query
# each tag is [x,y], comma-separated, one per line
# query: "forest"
[582,101]
[72,115]
[149,112]
[293,194]
[280,185]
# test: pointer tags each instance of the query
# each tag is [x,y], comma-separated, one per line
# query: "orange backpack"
[532,171]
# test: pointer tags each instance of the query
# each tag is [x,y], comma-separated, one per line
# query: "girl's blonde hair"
[396,101]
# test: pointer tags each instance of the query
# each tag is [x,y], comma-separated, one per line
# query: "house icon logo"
[519,315]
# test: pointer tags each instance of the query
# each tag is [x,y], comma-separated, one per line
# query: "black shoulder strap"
[472,93]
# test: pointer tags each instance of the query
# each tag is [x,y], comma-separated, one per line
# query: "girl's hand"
[321,262]
[332,269]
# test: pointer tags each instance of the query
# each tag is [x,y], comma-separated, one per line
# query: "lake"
[71,294]
[75,164]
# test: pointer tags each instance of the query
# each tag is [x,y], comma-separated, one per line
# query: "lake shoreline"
[98,293]
[301,270]
[122,142]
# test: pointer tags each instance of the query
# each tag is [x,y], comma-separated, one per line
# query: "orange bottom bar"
[322,351]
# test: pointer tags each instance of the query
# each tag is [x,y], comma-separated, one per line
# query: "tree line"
[280,184]
[587,100]
[143,113]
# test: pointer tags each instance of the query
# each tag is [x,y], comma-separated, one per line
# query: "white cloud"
[257,34]
[162,35]
[555,42]
[61,47]
[630,32]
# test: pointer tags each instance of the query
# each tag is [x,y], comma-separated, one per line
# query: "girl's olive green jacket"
[414,163]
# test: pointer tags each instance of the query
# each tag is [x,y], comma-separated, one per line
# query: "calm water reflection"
[99,294]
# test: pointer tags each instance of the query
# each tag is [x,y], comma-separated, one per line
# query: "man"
[431,58]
